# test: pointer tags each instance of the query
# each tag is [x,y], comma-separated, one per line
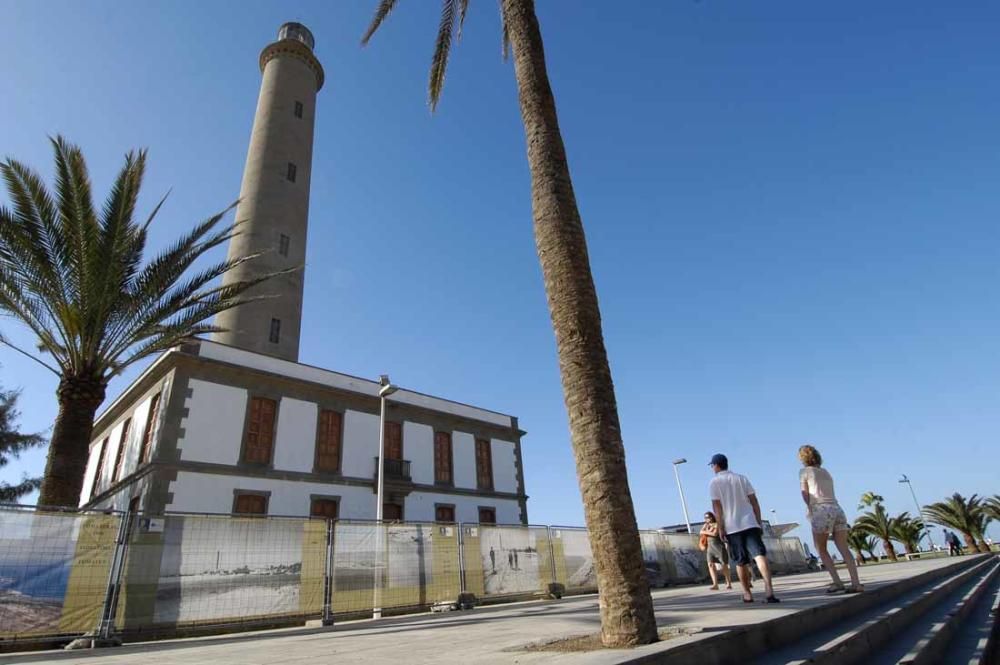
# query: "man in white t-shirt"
[738,514]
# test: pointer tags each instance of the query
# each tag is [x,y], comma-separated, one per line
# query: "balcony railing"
[395,469]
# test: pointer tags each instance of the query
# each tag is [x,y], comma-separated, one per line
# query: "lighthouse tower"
[274,198]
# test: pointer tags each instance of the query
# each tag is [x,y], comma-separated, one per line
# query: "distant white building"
[209,428]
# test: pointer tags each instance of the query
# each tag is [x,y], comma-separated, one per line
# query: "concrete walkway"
[485,635]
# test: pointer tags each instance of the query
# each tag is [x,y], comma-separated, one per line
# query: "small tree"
[858,542]
[909,531]
[878,523]
[12,444]
[967,516]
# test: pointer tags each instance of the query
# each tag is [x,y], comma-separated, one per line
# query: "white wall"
[360,444]
[463,452]
[345,382]
[295,442]
[213,493]
[418,447]
[420,506]
[213,429]
[504,466]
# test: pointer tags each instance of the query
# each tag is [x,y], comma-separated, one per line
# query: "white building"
[238,425]
[209,428]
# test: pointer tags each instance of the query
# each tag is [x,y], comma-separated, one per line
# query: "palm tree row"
[969,517]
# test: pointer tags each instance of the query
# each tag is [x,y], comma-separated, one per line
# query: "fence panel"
[688,561]
[54,571]
[206,569]
[578,559]
[421,565]
[656,556]
[509,560]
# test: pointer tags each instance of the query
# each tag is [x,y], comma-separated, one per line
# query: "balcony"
[397,470]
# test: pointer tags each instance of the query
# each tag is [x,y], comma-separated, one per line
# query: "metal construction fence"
[67,574]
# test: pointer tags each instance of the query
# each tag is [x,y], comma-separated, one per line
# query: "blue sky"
[791,211]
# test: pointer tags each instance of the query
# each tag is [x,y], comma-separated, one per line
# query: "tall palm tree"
[965,516]
[909,531]
[626,607]
[75,277]
[869,499]
[878,523]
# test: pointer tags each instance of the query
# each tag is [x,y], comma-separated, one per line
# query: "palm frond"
[463,8]
[384,8]
[505,34]
[442,48]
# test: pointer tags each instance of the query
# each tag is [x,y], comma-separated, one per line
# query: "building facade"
[210,428]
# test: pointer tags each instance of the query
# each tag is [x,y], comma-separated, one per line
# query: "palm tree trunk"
[970,542]
[626,607]
[890,551]
[79,399]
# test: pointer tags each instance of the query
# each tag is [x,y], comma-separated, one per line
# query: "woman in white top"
[826,517]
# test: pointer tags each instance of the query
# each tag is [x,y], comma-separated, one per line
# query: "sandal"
[772,599]
[748,600]
[836,588]
[855,589]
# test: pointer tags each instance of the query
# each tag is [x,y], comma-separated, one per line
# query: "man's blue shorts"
[745,545]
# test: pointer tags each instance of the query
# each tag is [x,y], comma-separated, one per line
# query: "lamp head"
[680,460]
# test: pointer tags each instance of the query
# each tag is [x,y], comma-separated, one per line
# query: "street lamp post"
[906,480]
[383,393]
[687,520]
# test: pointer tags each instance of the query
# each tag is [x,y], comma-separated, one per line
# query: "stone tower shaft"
[274,198]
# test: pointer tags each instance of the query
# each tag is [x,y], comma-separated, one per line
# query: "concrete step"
[932,637]
[977,639]
[769,641]
[858,637]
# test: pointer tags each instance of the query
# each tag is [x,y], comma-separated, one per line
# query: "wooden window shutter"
[328,439]
[259,441]
[327,508]
[120,455]
[393,441]
[445,514]
[442,458]
[147,434]
[101,454]
[487,516]
[484,465]
[250,504]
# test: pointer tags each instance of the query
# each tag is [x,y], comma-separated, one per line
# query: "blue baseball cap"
[720,459]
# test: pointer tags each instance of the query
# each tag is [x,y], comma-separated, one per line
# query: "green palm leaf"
[78,279]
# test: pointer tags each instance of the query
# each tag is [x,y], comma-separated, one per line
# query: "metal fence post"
[461,558]
[114,580]
[552,554]
[328,576]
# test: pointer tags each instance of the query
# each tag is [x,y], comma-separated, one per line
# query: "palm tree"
[858,542]
[869,499]
[968,517]
[992,507]
[877,522]
[13,442]
[909,531]
[75,277]
[626,606]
